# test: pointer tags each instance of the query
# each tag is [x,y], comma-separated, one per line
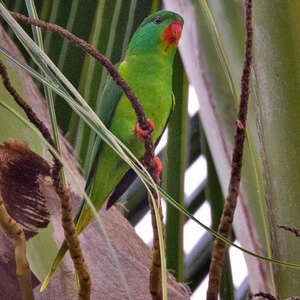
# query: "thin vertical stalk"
[176,158]
[37,34]
[225,227]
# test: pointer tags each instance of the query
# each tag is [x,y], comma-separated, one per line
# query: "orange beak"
[173,32]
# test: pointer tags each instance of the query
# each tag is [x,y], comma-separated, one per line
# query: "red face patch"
[173,32]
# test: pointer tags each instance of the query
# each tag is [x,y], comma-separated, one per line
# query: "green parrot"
[147,68]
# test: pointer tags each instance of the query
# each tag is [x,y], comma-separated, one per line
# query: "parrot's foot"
[141,132]
[158,166]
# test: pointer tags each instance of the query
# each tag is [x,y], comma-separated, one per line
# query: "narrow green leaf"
[275,93]
[69,27]
[174,179]
[37,34]
[52,19]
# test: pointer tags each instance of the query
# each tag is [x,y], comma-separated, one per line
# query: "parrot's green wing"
[130,176]
[111,97]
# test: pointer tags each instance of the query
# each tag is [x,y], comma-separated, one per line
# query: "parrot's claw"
[141,132]
[158,166]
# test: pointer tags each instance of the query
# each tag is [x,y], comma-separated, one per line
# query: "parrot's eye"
[157,20]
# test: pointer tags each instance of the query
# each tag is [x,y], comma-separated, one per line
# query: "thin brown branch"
[291,229]
[270,297]
[225,227]
[16,232]
[155,270]
[148,159]
[66,203]
[71,237]
[264,295]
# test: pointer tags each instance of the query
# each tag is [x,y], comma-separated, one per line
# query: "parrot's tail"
[61,253]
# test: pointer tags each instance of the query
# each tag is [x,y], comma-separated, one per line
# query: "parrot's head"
[159,32]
